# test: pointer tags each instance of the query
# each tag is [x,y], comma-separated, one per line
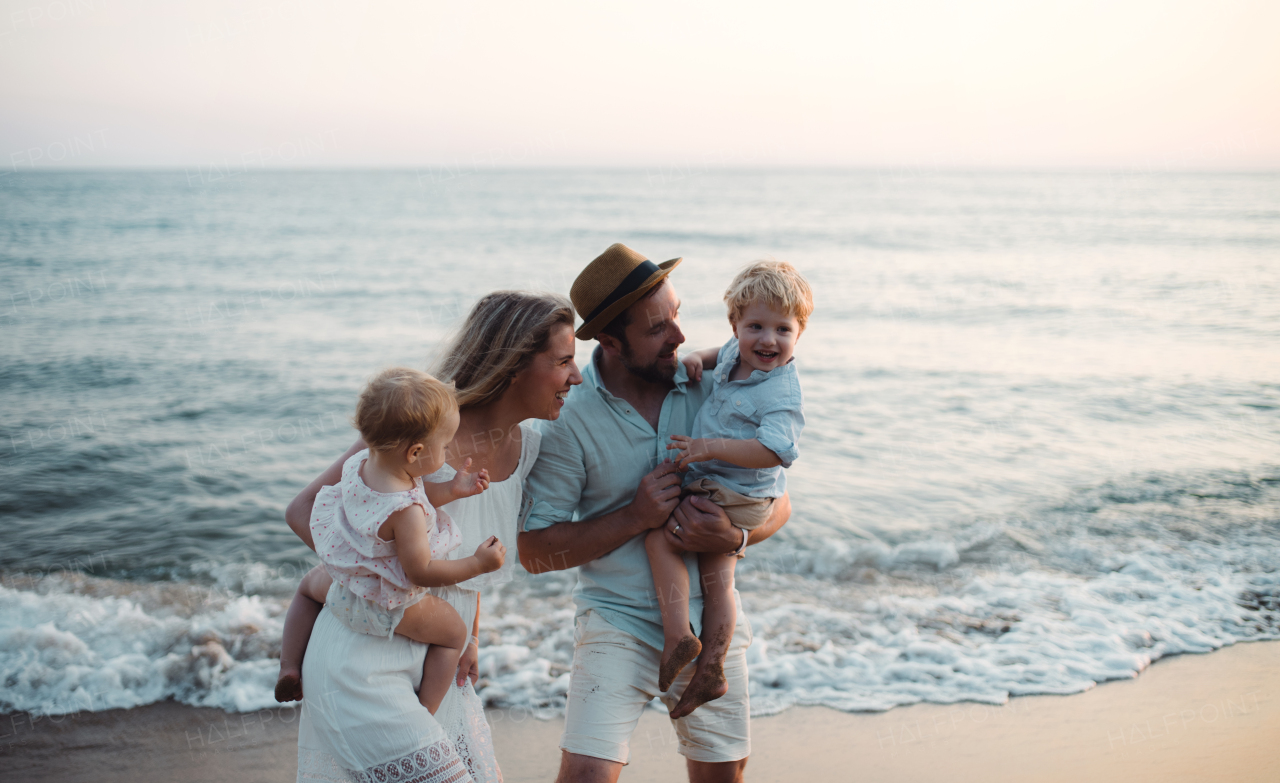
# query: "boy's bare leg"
[719,613]
[303,611]
[671,580]
[433,621]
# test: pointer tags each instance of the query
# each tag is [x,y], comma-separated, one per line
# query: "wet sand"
[1188,718]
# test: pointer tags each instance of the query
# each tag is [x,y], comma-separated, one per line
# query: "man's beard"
[652,372]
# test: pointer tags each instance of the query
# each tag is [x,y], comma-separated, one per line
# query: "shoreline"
[1187,717]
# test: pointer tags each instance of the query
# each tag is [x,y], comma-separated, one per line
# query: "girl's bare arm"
[408,528]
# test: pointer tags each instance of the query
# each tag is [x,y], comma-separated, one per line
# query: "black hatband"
[628,285]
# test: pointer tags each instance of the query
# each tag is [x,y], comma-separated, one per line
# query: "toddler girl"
[382,539]
[745,433]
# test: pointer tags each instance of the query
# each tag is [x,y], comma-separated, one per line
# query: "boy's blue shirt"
[767,406]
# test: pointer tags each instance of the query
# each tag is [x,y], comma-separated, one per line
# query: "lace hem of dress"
[436,763]
[462,717]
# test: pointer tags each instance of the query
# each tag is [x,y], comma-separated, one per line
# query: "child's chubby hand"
[693,364]
[491,554]
[691,450]
[466,484]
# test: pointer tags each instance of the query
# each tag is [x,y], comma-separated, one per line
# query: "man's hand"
[698,525]
[657,495]
[469,665]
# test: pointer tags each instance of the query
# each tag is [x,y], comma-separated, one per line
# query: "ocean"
[1041,452]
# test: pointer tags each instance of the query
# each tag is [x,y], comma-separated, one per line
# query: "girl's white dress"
[361,719]
[344,528]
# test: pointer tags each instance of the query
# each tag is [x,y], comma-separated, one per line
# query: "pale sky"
[1122,83]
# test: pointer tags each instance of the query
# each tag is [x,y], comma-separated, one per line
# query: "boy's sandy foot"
[708,684]
[686,650]
[289,687]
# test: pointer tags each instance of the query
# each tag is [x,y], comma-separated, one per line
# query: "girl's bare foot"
[289,686]
[685,651]
[708,684]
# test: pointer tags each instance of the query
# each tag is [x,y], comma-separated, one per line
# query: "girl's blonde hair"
[777,283]
[402,406]
[502,334]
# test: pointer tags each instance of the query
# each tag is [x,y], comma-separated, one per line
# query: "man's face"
[653,336]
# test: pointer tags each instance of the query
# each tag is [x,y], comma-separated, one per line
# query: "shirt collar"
[725,368]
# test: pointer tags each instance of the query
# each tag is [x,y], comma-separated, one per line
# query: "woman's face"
[545,383]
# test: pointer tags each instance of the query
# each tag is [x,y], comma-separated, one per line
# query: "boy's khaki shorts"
[746,513]
[614,677]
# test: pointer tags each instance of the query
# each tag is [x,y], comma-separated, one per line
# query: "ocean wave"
[74,643]
[1083,591]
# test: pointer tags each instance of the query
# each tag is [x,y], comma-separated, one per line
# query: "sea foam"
[1083,592]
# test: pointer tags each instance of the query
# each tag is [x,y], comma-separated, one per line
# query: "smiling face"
[766,337]
[545,383]
[653,335]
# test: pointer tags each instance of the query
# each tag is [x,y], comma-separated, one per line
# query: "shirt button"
[737,402]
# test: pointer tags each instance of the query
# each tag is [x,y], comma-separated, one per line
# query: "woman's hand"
[469,664]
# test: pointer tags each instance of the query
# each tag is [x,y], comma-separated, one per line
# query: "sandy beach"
[1192,717]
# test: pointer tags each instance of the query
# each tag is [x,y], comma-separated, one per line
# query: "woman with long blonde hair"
[512,361]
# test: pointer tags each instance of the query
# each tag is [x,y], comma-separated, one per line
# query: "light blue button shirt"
[767,406]
[591,462]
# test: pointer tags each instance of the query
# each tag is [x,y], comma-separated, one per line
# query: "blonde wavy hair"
[776,283]
[500,337]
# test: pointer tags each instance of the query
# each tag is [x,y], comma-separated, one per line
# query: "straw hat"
[613,282]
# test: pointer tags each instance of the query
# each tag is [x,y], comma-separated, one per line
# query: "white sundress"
[364,722]
[494,512]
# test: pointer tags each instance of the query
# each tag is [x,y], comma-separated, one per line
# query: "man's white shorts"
[614,677]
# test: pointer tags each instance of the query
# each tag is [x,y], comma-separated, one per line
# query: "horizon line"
[696,170]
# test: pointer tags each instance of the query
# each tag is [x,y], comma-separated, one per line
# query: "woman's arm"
[298,512]
[469,663]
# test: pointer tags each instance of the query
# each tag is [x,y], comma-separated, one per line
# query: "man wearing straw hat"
[600,484]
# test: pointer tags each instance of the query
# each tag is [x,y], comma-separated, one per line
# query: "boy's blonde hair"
[777,283]
[401,406]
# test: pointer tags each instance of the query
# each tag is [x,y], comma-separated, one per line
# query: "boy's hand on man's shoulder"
[693,365]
